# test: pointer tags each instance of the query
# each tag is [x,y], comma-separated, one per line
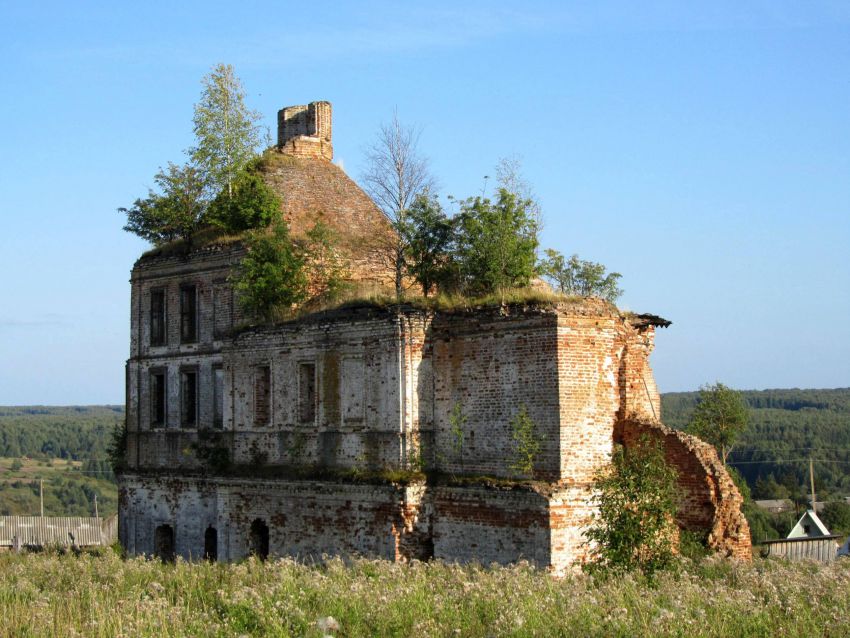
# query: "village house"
[333,433]
[809,526]
[809,539]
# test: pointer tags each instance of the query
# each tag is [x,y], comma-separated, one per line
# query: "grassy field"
[68,489]
[49,594]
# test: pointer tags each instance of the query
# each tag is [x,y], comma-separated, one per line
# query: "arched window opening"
[211,544]
[258,541]
[163,543]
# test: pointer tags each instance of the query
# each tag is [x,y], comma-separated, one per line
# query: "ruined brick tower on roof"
[312,189]
[305,130]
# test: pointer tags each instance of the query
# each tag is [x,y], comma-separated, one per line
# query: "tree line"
[48,434]
[80,433]
[785,429]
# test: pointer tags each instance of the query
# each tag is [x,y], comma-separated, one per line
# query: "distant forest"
[79,433]
[786,429]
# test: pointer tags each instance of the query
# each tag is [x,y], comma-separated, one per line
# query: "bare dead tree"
[510,177]
[395,175]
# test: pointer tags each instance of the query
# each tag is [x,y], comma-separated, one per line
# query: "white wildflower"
[327,624]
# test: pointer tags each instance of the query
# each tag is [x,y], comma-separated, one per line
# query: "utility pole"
[812,483]
[97,522]
[41,495]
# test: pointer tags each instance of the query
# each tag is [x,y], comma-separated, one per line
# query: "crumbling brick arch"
[709,502]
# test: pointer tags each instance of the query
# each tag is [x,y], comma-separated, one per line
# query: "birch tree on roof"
[226,130]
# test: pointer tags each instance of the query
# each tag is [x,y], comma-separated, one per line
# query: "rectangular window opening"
[188,314]
[307,392]
[218,397]
[157,317]
[158,398]
[262,395]
[189,398]
[222,309]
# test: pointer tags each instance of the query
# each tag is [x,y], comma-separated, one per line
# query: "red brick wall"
[491,366]
[314,189]
[588,359]
[388,380]
[490,525]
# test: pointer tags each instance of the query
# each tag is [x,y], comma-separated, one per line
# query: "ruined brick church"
[281,440]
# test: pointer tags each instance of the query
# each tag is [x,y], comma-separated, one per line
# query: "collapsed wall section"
[709,501]
[639,395]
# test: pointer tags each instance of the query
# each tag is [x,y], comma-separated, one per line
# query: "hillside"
[786,429]
[66,448]
[69,489]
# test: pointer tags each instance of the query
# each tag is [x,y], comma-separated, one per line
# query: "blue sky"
[701,149]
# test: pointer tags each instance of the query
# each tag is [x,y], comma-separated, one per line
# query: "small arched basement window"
[258,540]
[211,544]
[163,543]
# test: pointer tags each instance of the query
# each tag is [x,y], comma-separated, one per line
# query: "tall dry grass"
[52,595]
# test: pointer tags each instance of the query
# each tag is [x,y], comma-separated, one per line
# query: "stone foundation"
[308,519]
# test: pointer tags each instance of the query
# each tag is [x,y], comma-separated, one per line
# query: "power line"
[843,448]
[774,461]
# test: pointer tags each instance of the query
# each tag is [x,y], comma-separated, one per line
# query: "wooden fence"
[42,531]
[822,548]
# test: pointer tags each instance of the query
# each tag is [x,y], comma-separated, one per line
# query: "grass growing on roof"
[371,296]
[203,238]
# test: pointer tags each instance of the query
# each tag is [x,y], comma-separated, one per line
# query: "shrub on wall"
[636,496]
[457,422]
[496,244]
[270,280]
[212,450]
[526,442]
[326,270]
[117,450]
[251,204]
[576,276]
